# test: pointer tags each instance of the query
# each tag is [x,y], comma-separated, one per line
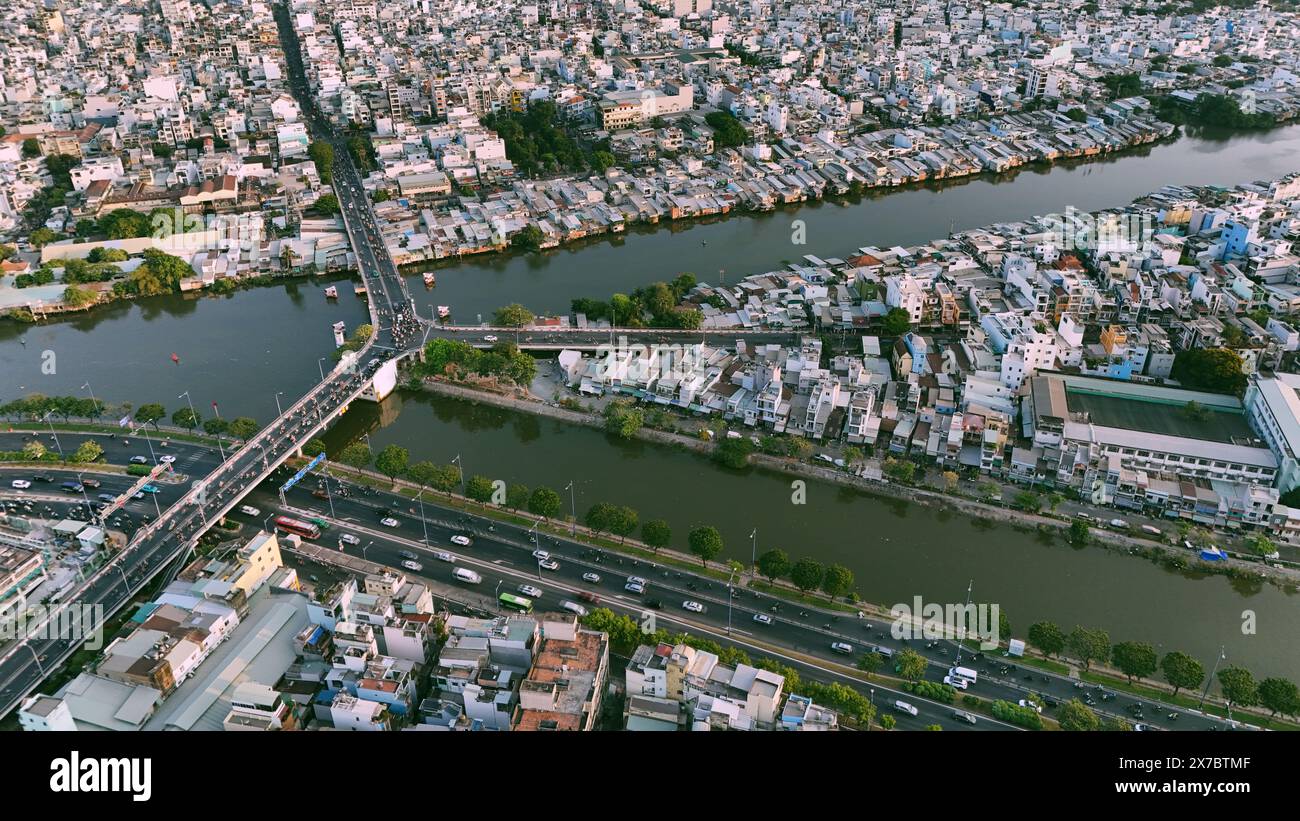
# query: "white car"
[636,580]
[389,521]
[842,647]
[249,510]
[762,618]
[529,591]
[463,541]
[541,555]
[594,578]
[348,538]
[634,587]
[549,564]
[1024,702]
[20,484]
[410,565]
[444,556]
[693,606]
[489,338]
[956,681]
[167,459]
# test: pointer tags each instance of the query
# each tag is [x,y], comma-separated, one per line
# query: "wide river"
[241,350]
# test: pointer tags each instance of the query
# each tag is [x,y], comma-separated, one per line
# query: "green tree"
[623,419]
[837,581]
[245,427]
[479,488]
[31,148]
[1079,532]
[186,418]
[1238,687]
[150,414]
[527,239]
[773,564]
[314,447]
[1134,659]
[888,722]
[602,517]
[807,574]
[657,534]
[514,315]
[896,322]
[423,473]
[1075,716]
[75,297]
[727,130]
[871,662]
[392,461]
[1087,645]
[1279,695]
[1210,369]
[544,502]
[88,451]
[1261,545]
[625,522]
[1181,671]
[327,204]
[706,542]
[912,665]
[446,479]
[517,496]
[1028,501]
[356,455]
[322,153]
[41,237]
[733,453]
[34,451]
[1047,637]
[215,426]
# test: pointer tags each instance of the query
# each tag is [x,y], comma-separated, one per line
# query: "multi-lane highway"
[502,554]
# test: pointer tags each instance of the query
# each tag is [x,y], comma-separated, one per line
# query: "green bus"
[517,603]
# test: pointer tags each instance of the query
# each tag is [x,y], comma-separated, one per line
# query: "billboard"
[297,477]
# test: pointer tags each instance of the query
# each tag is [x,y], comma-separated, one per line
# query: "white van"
[904,707]
[464,574]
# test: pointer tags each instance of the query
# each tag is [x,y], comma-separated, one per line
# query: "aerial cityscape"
[650,365]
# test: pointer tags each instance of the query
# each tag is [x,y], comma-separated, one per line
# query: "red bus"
[307,530]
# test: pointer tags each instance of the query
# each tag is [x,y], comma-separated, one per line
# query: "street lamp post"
[573,512]
[217,412]
[46,420]
[278,410]
[461,467]
[86,387]
[36,658]
[321,368]
[753,554]
[1210,680]
[194,416]
[419,497]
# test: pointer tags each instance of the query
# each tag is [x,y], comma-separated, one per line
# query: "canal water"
[895,549]
[241,349]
